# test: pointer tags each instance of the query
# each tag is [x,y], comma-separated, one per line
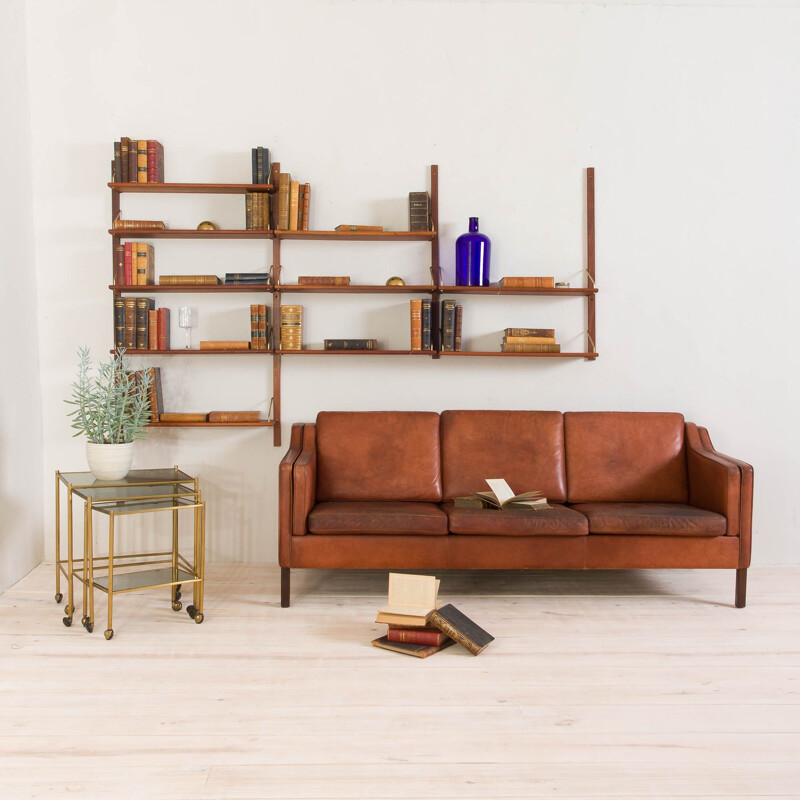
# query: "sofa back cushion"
[625,457]
[378,455]
[524,447]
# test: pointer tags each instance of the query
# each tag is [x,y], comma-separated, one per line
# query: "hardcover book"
[234,416]
[550,332]
[351,344]
[356,228]
[416,325]
[323,280]
[527,283]
[529,339]
[409,648]
[189,280]
[163,329]
[448,325]
[189,417]
[531,348]
[500,495]
[427,342]
[459,315]
[429,636]
[224,344]
[411,600]
[449,620]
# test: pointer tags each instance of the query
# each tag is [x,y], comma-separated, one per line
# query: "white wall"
[21,534]
[689,115]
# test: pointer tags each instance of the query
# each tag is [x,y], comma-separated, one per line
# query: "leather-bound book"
[416,325]
[448,325]
[419,211]
[163,329]
[234,416]
[427,343]
[117,162]
[152,329]
[301,196]
[306,205]
[130,322]
[530,332]
[527,283]
[323,280]
[351,344]
[155,393]
[119,263]
[124,150]
[459,316]
[529,339]
[152,161]
[132,161]
[357,228]
[143,305]
[171,416]
[429,636]
[283,200]
[248,211]
[254,343]
[262,326]
[410,649]
[294,199]
[129,270]
[119,322]
[531,348]
[141,161]
[450,621]
[160,153]
[224,344]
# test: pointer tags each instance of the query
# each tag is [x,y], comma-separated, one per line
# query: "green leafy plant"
[112,407]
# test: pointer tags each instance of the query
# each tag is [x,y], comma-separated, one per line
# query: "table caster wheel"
[89,626]
[59,597]
[109,634]
[68,609]
[84,620]
[177,595]
[177,605]
[191,611]
[198,617]
[67,621]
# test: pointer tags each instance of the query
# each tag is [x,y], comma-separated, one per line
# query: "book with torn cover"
[411,599]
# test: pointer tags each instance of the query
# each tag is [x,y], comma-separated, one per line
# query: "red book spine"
[163,329]
[152,161]
[415,637]
[128,263]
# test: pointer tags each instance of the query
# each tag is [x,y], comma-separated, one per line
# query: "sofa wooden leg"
[285,587]
[741,588]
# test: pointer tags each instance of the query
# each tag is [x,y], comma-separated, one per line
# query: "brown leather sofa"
[630,490]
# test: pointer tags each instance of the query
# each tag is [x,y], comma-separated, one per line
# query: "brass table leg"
[88,574]
[175,589]
[85,617]
[70,607]
[195,610]
[109,632]
[59,596]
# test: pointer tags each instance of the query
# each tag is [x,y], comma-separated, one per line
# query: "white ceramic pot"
[109,462]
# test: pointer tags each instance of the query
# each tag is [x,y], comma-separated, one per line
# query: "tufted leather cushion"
[378,455]
[524,447]
[626,457]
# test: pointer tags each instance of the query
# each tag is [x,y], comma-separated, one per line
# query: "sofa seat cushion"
[390,517]
[666,519]
[556,521]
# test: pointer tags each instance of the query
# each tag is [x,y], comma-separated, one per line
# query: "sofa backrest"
[378,455]
[524,447]
[625,457]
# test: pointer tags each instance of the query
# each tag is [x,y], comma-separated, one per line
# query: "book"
[427,343]
[500,495]
[284,181]
[300,203]
[119,263]
[294,200]
[529,339]
[323,280]
[155,393]
[128,263]
[291,327]
[141,161]
[448,319]
[132,161]
[234,416]
[411,600]
[459,627]
[143,305]
[410,649]
[351,344]
[224,344]
[531,348]
[119,322]
[416,325]
[530,332]
[459,315]
[239,278]
[130,323]
[163,329]
[189,280]
[138,224]
[419,211]
[254,338]
[263,326]
[518,282]
[416,635]
[124,147]
[145,263]
[306,205]
[357,228]
[189,417]
[152,329]
[262,164]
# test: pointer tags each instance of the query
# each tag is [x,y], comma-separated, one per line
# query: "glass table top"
[136,477]
[134,506]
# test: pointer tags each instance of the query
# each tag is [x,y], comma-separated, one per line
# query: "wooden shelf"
[489,291]
[191,233]
[354,289]
[196,352]
[260,424]
[190,188]
[489,353]
[359,236]
[353,353]
[195,287]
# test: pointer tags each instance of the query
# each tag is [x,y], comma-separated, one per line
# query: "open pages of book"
[411,594]
[502,496]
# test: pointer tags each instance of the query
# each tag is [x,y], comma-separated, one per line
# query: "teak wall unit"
[277,289]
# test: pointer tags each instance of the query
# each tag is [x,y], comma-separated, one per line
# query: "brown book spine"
[301,197]
[527,283]
[530,332]
[143,305]
[294,199]
[254,343]
[323,280]
[419,211]
[141,161]
[152,161]
[356,228]
[531,348]
[163,329]
[234,416]
[453,633]
[190,417]
[283,200]
[152,329]
[262,327]
[138,224]
[529,339]
[459,318]
[141,264]
[124,153]
[116,175]
[119,264]
[119,322]
[189,280]
[130,322]
[416,636]
[306,205]
[224,344]
[291,327]
[155,393]
[132,161]
[160,151]
[416,325]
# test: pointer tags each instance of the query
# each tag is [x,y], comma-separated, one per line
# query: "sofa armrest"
[285,494]
[745,499]
[714,483]
[304,493]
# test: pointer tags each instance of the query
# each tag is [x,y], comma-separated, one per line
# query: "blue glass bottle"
[473,256]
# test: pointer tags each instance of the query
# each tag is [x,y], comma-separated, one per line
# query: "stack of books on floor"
[530,340]
[291,327]
[246,278]
[293,206]
[137,161]
[134,264]
[259,327]
[417,627]
[138,325]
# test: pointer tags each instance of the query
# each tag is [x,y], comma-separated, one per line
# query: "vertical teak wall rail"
[276,313]
[436,275]
[591,336]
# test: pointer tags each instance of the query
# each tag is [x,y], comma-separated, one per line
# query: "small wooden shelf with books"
[309,352]
[190,233]
[358,236]
[496,291]
[189,287]
[266,423]
[494,353]
[233,351]
[190,188]
[353,288]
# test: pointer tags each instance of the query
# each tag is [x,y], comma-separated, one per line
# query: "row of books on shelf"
[137,161]
[450,320]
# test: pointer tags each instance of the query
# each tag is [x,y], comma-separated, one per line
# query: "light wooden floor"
[612,685]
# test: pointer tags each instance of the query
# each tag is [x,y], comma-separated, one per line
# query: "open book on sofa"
[500,495]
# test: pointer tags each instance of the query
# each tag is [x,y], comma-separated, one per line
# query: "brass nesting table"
[141,491]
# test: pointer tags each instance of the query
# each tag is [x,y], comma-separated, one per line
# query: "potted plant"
[111,410]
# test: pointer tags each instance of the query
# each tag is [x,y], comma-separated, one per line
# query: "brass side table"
[140,492]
